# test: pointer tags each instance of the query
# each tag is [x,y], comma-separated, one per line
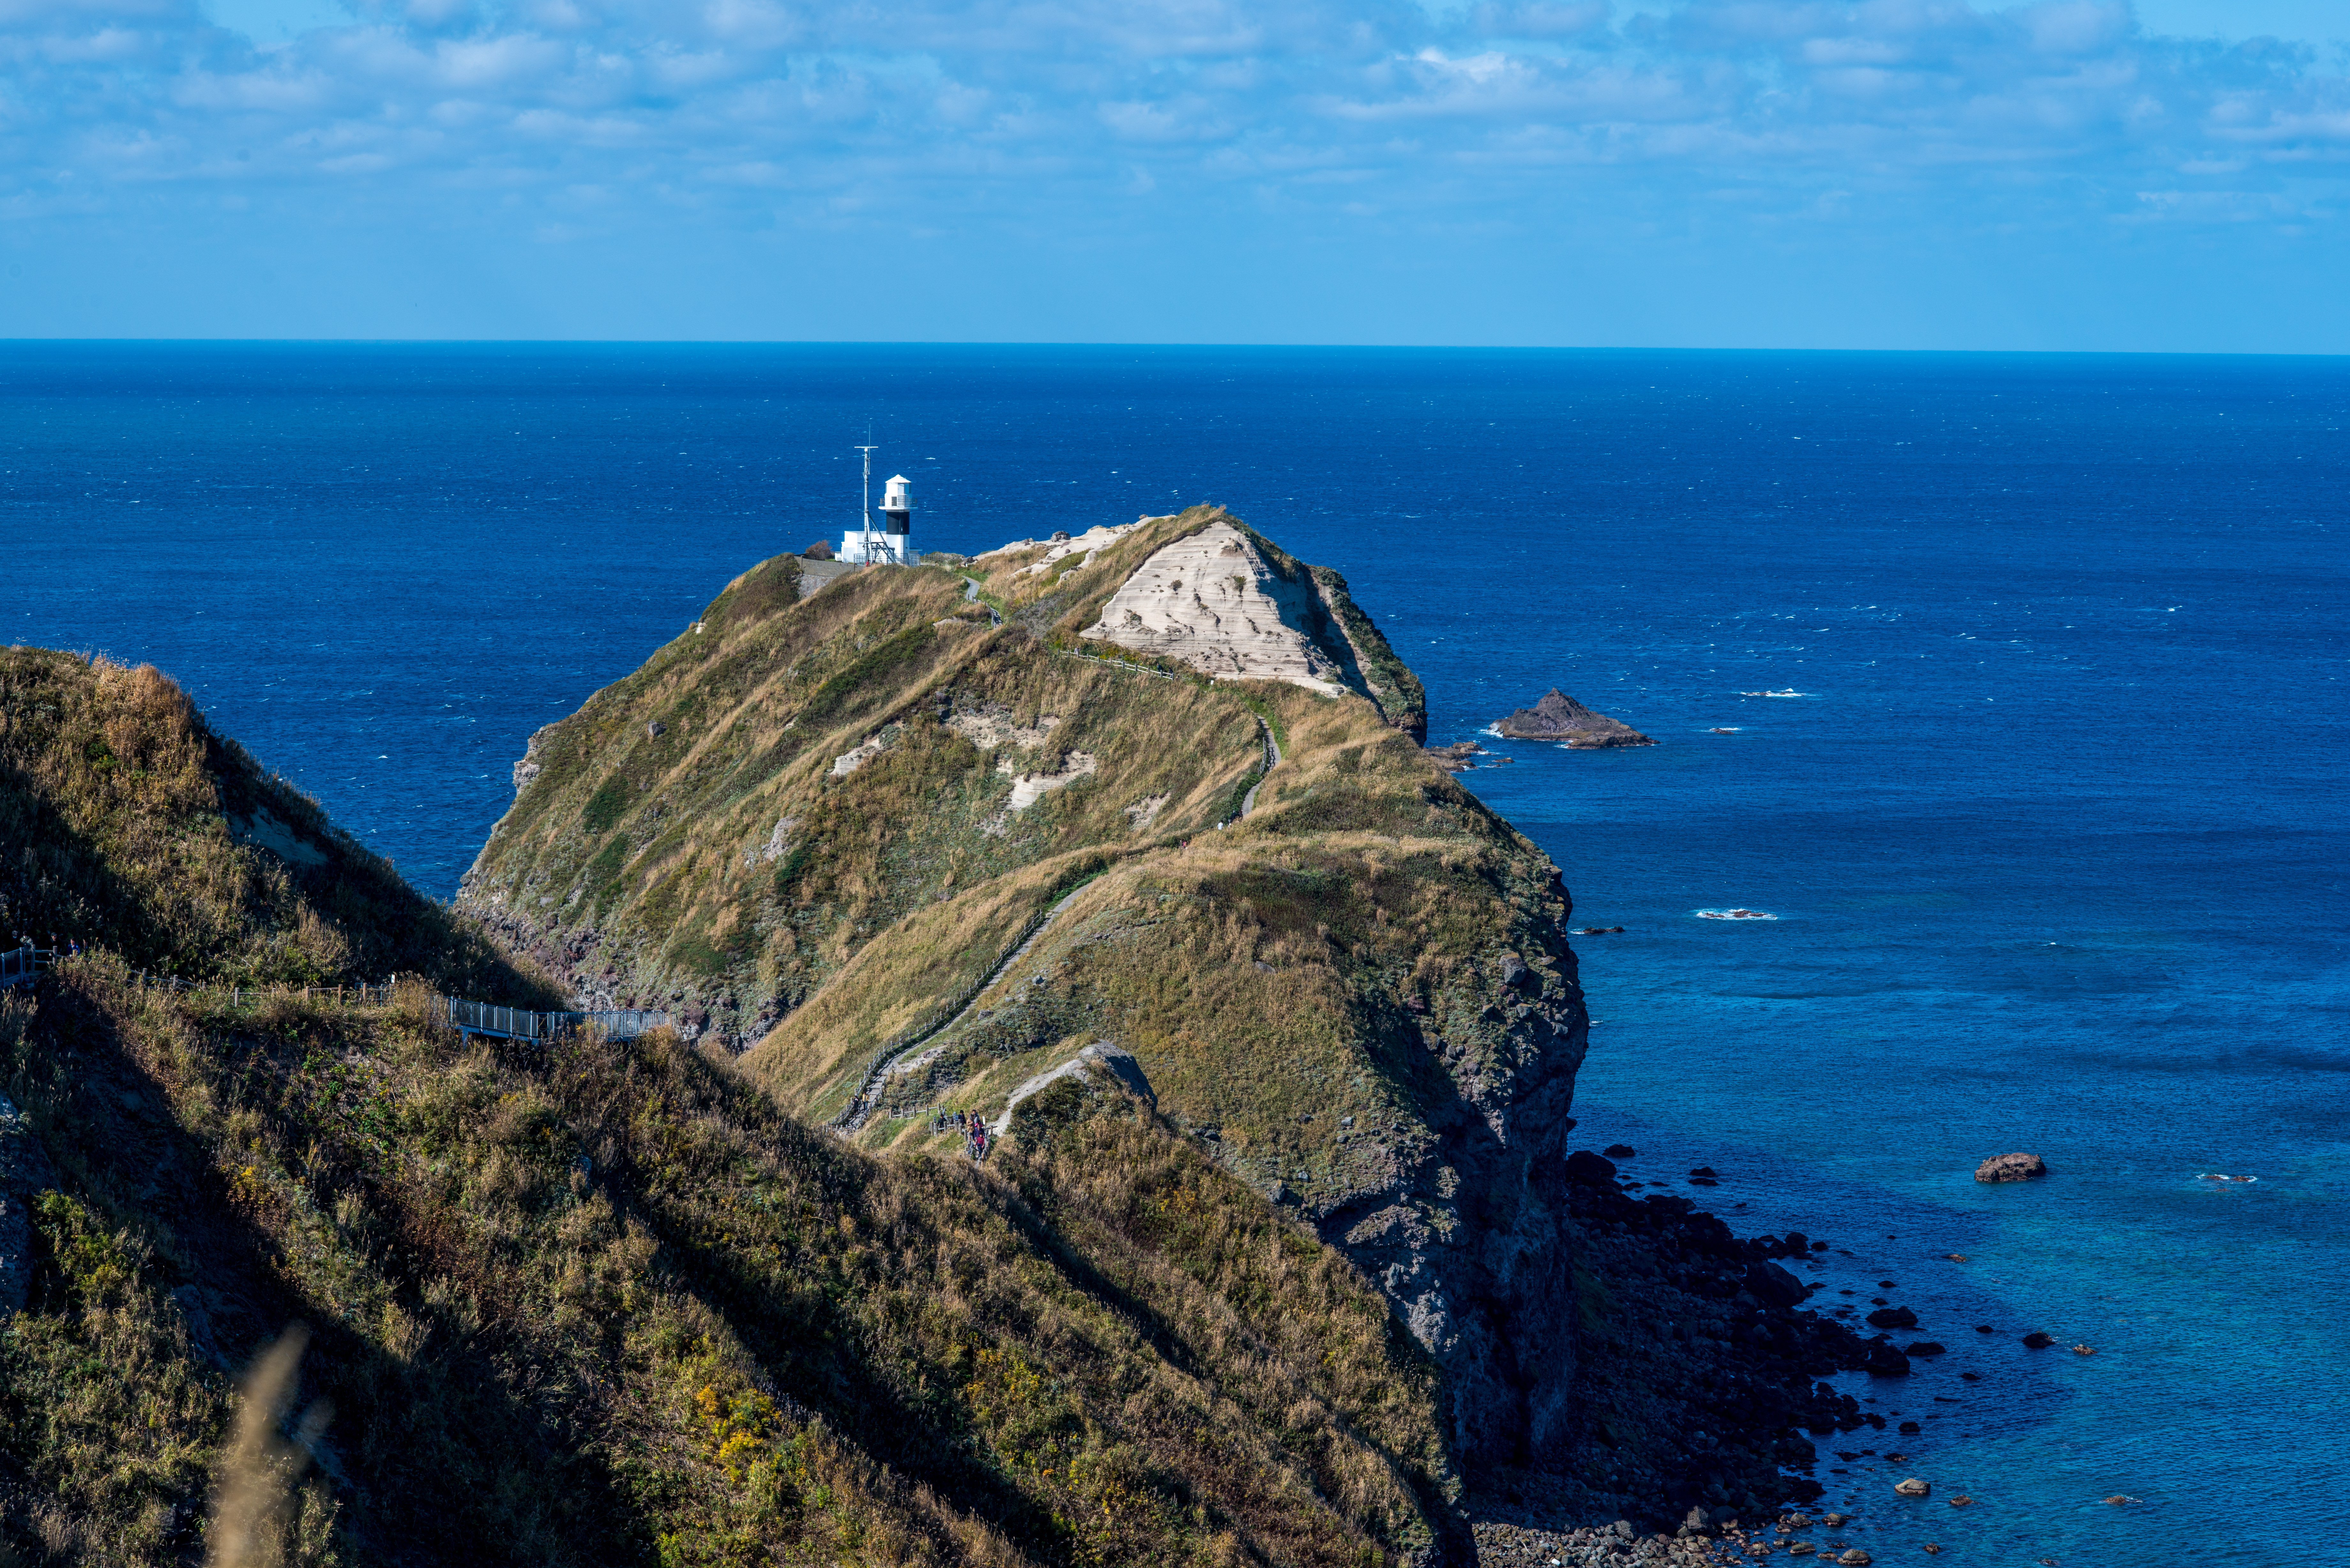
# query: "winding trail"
[971,595]
[911,1056]
[1272,761]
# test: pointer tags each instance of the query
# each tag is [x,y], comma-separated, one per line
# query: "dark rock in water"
[1619,1151]
[1773,1285]
[2037,1341]
[1927,1347]
[2010,1167]
[1911,1428]
[1559,717]
[1985,1328]
[1705,1170]
[1885,1361]
[1893,1317]
[1585,1169]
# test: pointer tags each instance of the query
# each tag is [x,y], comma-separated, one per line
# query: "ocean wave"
[1734,915]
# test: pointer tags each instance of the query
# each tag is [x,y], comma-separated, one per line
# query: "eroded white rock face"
[856,757]
[1027,789]
[777,842]
[264,829]
[993,728]
[1212,601]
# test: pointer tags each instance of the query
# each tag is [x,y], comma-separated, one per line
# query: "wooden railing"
[22,966]
[461,1014]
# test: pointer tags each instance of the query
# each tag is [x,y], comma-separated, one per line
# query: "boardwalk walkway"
[518,1023]
[461,1014]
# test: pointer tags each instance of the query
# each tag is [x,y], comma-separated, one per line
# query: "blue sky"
[2072,175]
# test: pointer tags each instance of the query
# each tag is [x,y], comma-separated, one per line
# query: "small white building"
[892,542]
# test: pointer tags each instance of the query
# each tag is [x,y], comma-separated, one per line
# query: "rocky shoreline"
[1694,1545]
[1697,1375]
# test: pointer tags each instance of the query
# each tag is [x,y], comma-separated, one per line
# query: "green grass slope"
[820,826]
[687,839]
[127,823]
[597,1302]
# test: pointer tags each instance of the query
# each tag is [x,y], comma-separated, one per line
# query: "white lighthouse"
[892,542]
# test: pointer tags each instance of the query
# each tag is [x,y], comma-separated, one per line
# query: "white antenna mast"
[864,520]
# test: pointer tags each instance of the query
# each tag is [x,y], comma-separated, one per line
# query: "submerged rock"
[1885,1361]
[1559,717]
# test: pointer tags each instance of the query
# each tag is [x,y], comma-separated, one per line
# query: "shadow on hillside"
[57,888]
[806,1345]
[450,1449]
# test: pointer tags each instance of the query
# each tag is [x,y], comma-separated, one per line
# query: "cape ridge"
[1121,1102]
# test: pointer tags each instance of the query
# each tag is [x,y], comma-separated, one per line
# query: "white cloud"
[1518,113]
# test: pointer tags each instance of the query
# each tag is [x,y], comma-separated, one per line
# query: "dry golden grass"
[129,822]
[691,819]
[604,1302]
[1268,978]
[257,1515]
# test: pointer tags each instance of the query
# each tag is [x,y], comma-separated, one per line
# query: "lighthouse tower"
[898,518]
[892,542]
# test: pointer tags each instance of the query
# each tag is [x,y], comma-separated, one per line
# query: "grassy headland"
[601,1302]
[1282,1285]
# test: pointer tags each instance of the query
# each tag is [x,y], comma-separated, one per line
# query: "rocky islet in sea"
[1559,718]
[2012,1168]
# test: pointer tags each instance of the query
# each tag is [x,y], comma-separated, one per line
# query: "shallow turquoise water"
[2053,835]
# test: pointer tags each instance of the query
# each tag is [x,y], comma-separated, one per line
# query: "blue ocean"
[2010,688]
